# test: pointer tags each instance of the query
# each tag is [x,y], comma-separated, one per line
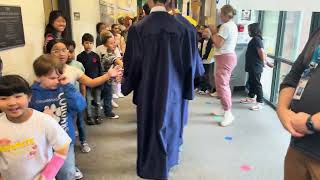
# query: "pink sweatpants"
[225,64]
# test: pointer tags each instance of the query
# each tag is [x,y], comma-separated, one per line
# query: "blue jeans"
[107,97]
[68,170]
[80,125]
[93,94]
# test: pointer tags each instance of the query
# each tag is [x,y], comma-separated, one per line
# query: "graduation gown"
[197,66]
[159,70]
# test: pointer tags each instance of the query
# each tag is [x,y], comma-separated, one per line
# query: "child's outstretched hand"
[63,79]
[115,72]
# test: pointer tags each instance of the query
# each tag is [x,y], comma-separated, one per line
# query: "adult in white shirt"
[225,59]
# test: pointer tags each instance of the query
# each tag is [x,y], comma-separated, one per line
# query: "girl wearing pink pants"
[225,59]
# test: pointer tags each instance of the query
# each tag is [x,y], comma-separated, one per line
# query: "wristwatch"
[309,124]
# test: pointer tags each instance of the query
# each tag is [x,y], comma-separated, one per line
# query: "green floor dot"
[217,118]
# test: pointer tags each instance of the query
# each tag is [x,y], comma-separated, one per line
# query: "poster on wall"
[246,15]
[11,27]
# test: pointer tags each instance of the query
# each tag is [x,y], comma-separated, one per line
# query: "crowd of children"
[40,122]
[72,90]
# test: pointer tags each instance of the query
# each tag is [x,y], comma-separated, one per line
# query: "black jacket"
[91,63]
[208,48]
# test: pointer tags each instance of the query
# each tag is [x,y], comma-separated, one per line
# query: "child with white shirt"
[32,144]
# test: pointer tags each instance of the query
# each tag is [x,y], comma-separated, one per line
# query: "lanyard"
[307,74]
[313,63]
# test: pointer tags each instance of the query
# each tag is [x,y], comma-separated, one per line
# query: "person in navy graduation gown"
[159,69]
[198,69]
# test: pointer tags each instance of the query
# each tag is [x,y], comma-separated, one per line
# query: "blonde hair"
[46,64]
[229,11]
[105,35]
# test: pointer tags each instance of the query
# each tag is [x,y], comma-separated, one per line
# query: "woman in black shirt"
[255,60]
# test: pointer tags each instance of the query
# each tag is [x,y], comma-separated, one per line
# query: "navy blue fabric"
[107,98]
[91,63]
[64,101]
[159,68]
[197,66]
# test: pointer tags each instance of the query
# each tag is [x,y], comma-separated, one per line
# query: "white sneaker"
[215,94]
[85,148]
[257,107]
[115,96]
[203,92]
[120,95]
[228,119]
[114,104]
[78,174]
[248,100]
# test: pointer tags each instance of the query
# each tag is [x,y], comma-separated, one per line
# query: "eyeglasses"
[58,51]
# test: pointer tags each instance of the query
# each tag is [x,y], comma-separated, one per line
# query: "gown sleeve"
[132,62]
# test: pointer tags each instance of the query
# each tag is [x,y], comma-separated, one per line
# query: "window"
[266,80]
[296,34]
[270,30]
[284,70]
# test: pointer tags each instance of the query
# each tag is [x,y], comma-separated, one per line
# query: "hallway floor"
[253,148]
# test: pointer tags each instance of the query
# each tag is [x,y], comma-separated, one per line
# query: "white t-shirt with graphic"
[229,32]
[26,148]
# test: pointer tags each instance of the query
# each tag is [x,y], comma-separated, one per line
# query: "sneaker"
[90,121]
[98,120]
[257,107]
[85,148]
[215,94]
[248,100]
[196,90]
[203,92]
[120,95]
[114,104]
[181,148]
[78,174]
[115,96]
[112,116]
[228,119]
[76,133]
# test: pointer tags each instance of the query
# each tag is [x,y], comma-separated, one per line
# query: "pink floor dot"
[246,168]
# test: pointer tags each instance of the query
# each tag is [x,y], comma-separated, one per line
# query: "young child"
[55,29]
[120,47]
[58,49]
[85,148]
[27,136]
[108,58]
[255,62]
[92,66]
[99,28]
[53,94]
[206,53]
